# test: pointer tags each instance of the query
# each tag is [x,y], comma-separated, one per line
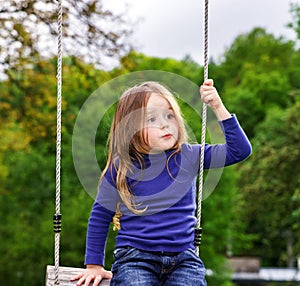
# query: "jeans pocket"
[193,253]
[122,252]
[119,252]
[121,256]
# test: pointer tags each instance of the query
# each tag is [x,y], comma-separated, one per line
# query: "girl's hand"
[210,96]
[92,273]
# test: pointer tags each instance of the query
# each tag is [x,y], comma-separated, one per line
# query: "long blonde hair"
[128,142]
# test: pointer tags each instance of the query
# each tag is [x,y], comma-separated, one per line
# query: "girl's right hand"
[92,273]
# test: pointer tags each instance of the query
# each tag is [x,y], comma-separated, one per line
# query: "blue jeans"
[134,267]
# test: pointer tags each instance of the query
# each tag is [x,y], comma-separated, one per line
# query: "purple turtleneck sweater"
[166,188]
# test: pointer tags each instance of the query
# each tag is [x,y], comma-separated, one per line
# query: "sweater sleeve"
[98,226]
[236,148]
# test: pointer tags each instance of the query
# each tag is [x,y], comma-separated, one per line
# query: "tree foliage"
[273,184]
[28,31]
[258,70]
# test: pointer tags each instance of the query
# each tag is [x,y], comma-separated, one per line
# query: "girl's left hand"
[209,95]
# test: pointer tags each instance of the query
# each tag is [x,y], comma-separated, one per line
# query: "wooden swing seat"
[65,274]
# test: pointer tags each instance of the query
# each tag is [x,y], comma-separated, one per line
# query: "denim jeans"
[133,267]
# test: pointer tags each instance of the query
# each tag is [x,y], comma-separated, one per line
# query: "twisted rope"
[203,131]
[57,216]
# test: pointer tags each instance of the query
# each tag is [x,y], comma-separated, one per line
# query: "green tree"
[27,162]
[187,68]
[224,233]
[28,190]
[271,187]
[259,49]
[257,69]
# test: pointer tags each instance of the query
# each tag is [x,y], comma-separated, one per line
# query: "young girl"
[149,187]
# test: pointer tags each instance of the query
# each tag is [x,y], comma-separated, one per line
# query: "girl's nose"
[163,124]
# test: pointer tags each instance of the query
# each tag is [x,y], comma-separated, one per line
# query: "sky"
[174,28]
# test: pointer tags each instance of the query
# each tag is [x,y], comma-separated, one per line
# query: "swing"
[59,275]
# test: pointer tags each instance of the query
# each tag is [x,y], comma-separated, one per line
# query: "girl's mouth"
[167,136]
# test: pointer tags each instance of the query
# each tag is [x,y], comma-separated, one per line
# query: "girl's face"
[161,125]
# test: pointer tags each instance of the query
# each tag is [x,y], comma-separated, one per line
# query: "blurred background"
[251,224]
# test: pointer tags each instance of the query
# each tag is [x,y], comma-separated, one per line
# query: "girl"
[148,189]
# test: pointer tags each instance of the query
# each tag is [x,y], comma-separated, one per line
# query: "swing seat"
[65,275]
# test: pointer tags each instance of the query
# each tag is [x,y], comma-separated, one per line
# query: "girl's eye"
[151,119]
[170,116]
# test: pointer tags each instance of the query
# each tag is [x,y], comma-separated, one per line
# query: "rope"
[57,215]
[198,229]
